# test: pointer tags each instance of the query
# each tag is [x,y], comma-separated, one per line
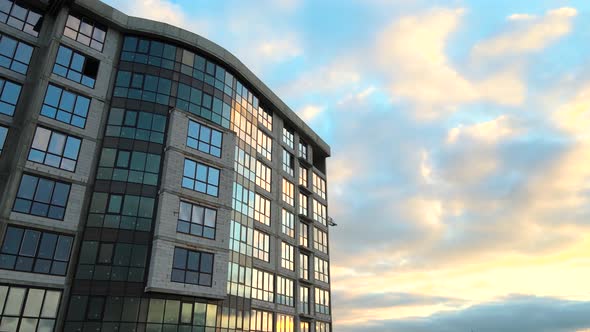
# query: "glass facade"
[139,191]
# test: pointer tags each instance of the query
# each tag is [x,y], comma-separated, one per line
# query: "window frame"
[71,113]
[94,24]
[199,142]
[61,156]
[191,223]
[196,181]
[51,197]
[12,106]
[186,268]
[19,47]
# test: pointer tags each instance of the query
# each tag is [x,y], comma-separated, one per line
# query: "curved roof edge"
[131,23]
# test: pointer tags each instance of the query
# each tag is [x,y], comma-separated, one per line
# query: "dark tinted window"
[192,267]
[42,197]
[9,93]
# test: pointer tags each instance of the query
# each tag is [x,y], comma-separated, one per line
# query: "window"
[245,164]
[288,192]
[20,17]
[288,137]
[302,150]
[320,270]
[304,300]
[243,200]
[261,248]
[65,106]
[319,185]
[288,223]
[112,261]
[129,166]
[163,315]
[262,210]
[284,291]
[304,327]
[137,125]
[303,266]
[287,257]
[9,93]
[30,250]
[42,197]
[239,280]
[35,309]
[75,66]
[14,54]
[265,118]
[202,104]
[303,234]
[201,178]
[262,285]
[264,145]
[322,326]
[196,220]
[204,139]
[85,31]
[302,204]
[241,238]
[192,267]
[121,211]
[143,87]
[319,212]
[320,240]
[303,176]
[322,302]
[153,53]
[261,321]
[288,163]
[3,134]
[263,176]
[284,323]
[55,149]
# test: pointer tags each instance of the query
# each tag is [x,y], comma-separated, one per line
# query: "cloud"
[491,131]
[411,51]
[164,11]
[574,116]
[516,313]
[279,50]
[309,112]
[529,35]
[342,74]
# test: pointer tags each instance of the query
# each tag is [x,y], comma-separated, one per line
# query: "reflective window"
[288,192]
[287,256]
[14,54]
[264,145]
[32,309]
[204,139]
[55,149]
[284,291]
[303,234]
[322,326]
[75,66]
[3,134]
[319,212]
[202,104]
[241,238]
[319,185]
[129,166]
[321,270]
[304,300]
[265,117]
[143,87]
[303,204]
[261,246]
[288,137]
[65,106]
[320,240]
[201,178]
[192,267]
[112,261]
[303,266]
[42,197]
[322,303]
[263,176]
[261,321]
[262,285]
[302,150]
[21,17]
[196,220]
[239,280]
[288,223]
[243,200]
[9,93]
[121,211]
[284,323]
[149,52]
[288,163]
[30,250]
[85,31]
[262,209]
[303,176]
[137,125]
[304,327]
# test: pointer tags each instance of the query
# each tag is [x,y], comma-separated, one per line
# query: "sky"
[460,167]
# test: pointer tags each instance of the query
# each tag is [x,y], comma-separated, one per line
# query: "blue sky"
[460,175]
